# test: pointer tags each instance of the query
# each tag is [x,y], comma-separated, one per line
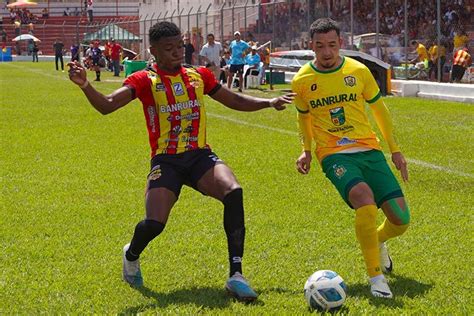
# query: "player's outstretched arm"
[105,104]
[246,103]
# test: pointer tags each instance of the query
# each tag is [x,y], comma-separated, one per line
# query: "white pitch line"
[284,131]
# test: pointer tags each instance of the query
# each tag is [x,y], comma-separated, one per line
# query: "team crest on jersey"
[350,81]
[160,87]
[338,117]
[178,89]
[194,83]
[339,170]
[155,173]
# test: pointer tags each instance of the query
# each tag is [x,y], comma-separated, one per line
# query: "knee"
[399,212]
[360,195]
[233,195]
[150,227]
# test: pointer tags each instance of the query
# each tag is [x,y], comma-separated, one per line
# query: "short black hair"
[210,34]
[414,42]
[324,25]
[163,29]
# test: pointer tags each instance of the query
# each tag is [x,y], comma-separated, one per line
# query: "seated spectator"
[224,64]
[253,61]
[66,12]
[45,13]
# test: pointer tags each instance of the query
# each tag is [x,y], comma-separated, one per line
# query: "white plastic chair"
[253,81]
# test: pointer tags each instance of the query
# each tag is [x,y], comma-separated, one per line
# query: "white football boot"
[131,270]
[379,288]
[385,260]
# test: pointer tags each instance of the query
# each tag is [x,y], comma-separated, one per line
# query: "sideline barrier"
[459,92]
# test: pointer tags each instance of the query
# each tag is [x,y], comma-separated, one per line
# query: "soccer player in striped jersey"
[174,107]
[331,94]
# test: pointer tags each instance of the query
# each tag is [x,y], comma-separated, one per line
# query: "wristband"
[84,85]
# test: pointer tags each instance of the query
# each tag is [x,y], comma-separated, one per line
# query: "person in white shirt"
[211,54]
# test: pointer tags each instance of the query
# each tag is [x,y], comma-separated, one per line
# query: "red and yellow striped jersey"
[462,58]
[173,104]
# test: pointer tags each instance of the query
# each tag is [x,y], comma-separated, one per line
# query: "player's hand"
[401,164]
[279,103]
[303,163]
[77,73]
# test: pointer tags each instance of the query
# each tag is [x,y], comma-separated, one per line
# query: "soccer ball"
[324,290]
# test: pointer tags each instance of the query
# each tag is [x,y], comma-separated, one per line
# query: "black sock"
[97,74]
[234,228]
[145,231]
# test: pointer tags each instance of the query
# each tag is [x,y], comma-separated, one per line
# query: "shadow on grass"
[400,286]
[203,297]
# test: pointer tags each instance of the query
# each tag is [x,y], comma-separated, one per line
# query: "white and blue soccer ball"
[325,290]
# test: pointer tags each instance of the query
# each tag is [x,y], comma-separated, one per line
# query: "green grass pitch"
[72,186]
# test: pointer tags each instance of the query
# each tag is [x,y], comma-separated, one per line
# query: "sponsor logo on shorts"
[155,173]
[339,171]
[214,158]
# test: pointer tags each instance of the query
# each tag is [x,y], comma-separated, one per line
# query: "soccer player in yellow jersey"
[175,113]
[437,54]
[422,52]
[332,91]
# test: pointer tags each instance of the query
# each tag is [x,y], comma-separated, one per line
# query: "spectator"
[4,38]
[460,39]
[34,52]
[461,60]
[66,12]
[107,48]
[422,53]
[225,64]
[237,50]
[211,53]
[31,28]
[45,13]
[90,10]
[96,55]
[115,54]
[58,48]
[74,52]
[253,60]
[17,26]
[188,51]
[436,53]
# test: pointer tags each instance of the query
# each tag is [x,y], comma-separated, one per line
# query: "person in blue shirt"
[237,61]
[253,60]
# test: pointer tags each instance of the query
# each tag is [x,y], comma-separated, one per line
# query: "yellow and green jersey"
[335,101]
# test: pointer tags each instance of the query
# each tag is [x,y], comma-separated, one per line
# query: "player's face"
[169,52]
[327,46]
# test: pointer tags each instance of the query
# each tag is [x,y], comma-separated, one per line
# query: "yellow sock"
[366,232]
[388,230]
